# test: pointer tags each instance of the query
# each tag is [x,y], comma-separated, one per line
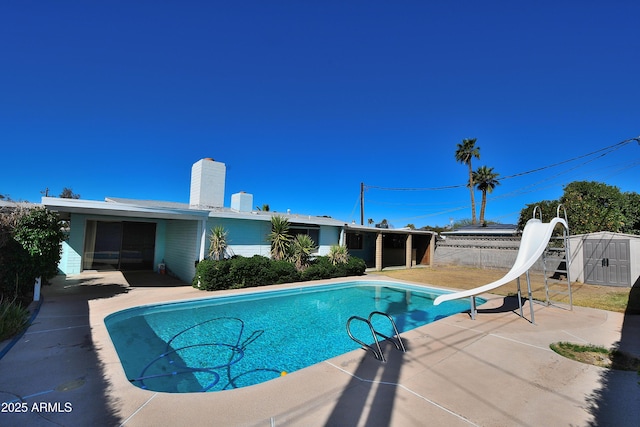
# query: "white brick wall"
[181,248]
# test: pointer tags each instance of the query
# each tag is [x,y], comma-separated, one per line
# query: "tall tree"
[485,180]
[466,151]
[591,207]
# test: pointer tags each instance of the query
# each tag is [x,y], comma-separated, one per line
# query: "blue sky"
[305,100]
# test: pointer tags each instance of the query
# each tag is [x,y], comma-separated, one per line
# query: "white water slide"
[534,241]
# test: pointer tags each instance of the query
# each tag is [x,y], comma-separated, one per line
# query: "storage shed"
[605,258]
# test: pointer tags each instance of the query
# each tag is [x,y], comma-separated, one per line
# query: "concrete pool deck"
[496,370]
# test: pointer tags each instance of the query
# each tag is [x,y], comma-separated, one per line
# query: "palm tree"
[279,237]
[464,153]
[485,180]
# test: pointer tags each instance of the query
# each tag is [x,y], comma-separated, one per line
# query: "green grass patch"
[598,356]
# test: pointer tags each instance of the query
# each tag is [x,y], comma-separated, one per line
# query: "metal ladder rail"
[567,256]
[377,353]
[396,339]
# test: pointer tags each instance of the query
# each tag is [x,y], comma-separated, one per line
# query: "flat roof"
[114,206]
[367,229]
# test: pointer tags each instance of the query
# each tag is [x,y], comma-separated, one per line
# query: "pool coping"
[278,393]
[283,290]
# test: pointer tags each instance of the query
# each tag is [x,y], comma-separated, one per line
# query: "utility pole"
[362,203]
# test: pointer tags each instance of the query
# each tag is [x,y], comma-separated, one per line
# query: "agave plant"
[279,237]
[301,249]
[338,254]
[218,245]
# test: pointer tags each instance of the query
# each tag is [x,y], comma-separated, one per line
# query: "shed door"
[606,262]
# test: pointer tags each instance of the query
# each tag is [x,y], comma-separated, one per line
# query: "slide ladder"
[377,351]
[557,262]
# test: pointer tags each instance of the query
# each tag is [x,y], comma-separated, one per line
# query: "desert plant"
[279,237]
[338,254]
[301,249]
[218,245]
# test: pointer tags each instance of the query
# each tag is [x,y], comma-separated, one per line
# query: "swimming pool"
[234,341]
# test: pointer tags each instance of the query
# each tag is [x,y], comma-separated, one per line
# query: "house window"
[312,232]
[354,241]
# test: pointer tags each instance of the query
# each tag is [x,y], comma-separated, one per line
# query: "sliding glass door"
[120,245]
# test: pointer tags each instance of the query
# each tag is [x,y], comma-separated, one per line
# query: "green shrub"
[17,275]
[39,232]
[321,268]
[355,267]
[285,272]
[13,318]
[212,275]
[242,272]
[30,247]
[250,272]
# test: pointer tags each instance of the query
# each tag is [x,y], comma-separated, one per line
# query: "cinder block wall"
[480,252]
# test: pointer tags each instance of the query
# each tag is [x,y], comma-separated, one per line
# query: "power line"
[606,150]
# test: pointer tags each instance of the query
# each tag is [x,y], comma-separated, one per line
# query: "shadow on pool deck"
[53,368]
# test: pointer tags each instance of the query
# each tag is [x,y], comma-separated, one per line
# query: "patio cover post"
[379,251]
[202,231]
[409,250]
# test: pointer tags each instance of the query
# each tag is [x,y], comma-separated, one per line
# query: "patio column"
[432,248]
[408,250]
[379,252]
[202,246]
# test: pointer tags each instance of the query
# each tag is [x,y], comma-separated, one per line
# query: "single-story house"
[127,234]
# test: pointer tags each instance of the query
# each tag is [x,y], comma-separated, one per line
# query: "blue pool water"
[236,341]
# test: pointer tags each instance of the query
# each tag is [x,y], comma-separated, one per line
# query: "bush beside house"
[30,247]
[241,272]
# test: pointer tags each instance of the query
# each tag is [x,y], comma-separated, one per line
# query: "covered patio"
[390,247]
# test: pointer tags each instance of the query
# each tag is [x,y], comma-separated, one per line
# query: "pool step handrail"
[396,339]
[377,351]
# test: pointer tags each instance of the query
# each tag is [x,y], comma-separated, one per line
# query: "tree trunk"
[473,199]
